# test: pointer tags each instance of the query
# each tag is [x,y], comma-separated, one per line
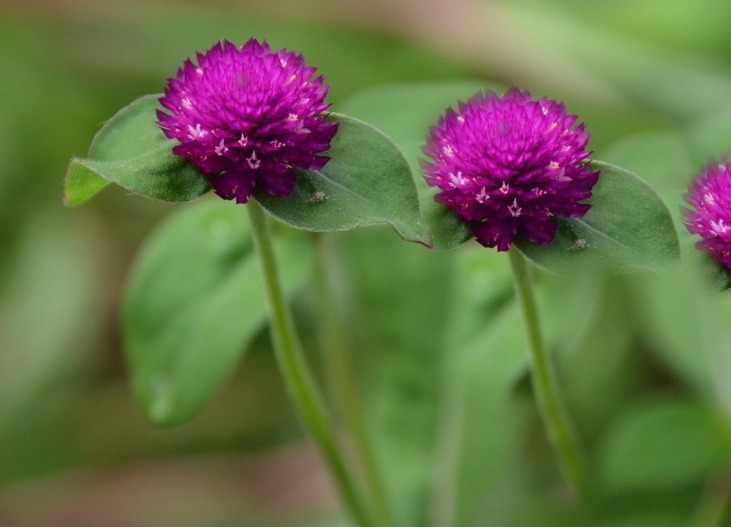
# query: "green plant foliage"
[64,264]
[661,157]
[402,343]
[642,358]
[366,182]
[131,151]
[664,160]
[405,111]
[671,314]
[662,444]
[480,422]
[481,417]
[194,300]
[628,228]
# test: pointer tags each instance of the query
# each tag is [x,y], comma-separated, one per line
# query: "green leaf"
[663,444]
[131,151]
[405,111]
[55,274]
[400,361]
[628,227]
[82,183]
[482,422]
[481,425]
[194,300]
[366,182]
[669,315]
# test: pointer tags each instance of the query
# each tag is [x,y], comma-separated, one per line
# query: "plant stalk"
[545,386]
[300,384]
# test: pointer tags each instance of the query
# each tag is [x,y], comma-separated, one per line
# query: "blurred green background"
[651,80]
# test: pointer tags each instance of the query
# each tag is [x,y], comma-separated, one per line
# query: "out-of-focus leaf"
[660,157]
[598,368]
[50,327]
[402,307]
[687,25]
[709,140]
[662,444]
[670,318]
[480,424]
[405,112]
[131,151]
[48,309]
[349,57]
[366,182]
[194,300]
[628,227]
[482,420]
[609,62]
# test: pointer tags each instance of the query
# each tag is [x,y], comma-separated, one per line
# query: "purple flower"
[710,194]
[246,117]
[509,165]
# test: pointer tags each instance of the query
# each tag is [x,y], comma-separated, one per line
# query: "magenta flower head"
[246,117]
[710,195]
[509,165]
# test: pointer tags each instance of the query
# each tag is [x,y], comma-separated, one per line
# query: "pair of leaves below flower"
[366,182]
[628,228]
[194,300]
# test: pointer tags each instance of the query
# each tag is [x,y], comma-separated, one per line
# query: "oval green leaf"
[405,111]
[194,299]
[366,182]
[131,151]
[663,445]
[628,227]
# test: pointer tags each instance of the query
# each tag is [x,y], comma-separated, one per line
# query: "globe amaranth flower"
[509,165]
[246,117]
[710,194]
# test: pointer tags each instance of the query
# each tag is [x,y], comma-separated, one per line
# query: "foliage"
[635,318]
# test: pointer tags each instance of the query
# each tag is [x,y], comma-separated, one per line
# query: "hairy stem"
[555,417]
[300,384]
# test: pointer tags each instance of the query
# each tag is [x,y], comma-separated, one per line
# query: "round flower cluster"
[509,165]
[246,117]
[710,195]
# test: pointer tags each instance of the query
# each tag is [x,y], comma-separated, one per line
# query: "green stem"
[343,383]
[298,379]
[546,388]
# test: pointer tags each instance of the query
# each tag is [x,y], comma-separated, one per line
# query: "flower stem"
[342,381]
[297,377]
[554,415]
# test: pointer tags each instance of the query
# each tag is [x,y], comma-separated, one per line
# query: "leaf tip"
[70,198]
[158,400]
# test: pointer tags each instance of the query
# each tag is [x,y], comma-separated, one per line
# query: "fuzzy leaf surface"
[366,182]
[405,111]
[628,228]
[131,151]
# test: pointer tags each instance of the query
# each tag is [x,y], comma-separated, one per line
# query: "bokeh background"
[651,79]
